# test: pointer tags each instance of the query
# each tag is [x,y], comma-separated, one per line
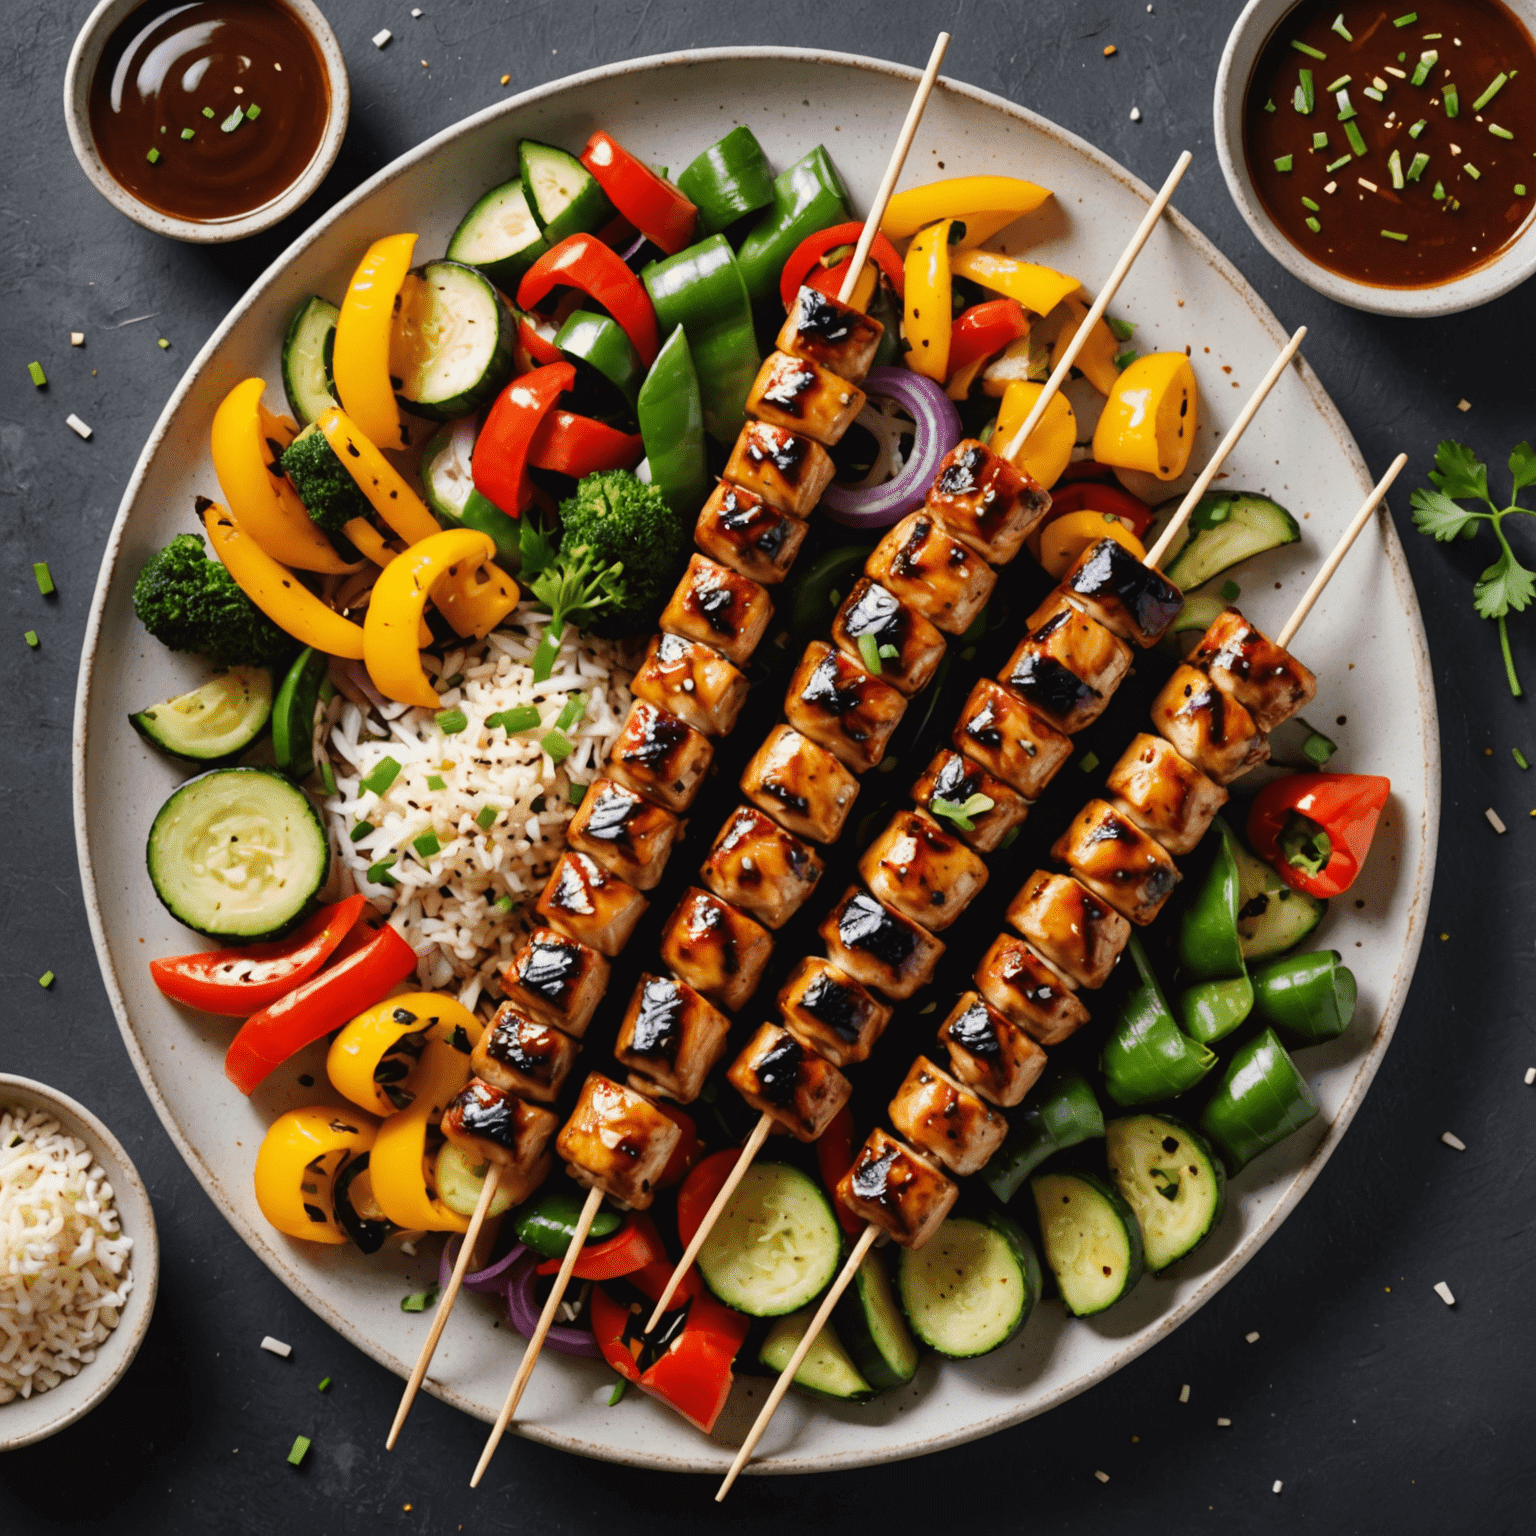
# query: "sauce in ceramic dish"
[1396,146]
[209,110]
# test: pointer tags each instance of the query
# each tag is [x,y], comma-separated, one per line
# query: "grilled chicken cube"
[716,606]
[691,681]
[799,394]
[758,866]
[741,530]
[617,1141]
[908,648]
[986,502]
[1207,727]
[671,1036]
[893,1188]
[556,979]
[1245,663]
[1110,583]
[1115,859]
[624,832]
[1078,932]
[922,871]
[660,756]
[824,330]
[491,1125]
[954,781]
[801,785]
[879,947]
[787,470]
[1002,733]
[716,949]
[836,702]
[1024,988]
[1068,668]
[523,1056]
[989,1052]
[795,1087]
[945,1119]
[588,904]
[831,1013]
[921,563]
[1163,794]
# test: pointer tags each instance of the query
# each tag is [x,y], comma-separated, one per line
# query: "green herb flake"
[301,1444]
[381,776]
[436,781]
[419,1301]
[485,817]
[1283,163]
[46,980]
[869,653]
[325,1385]
[252,112]
[1356,139]
[1123,360]
[1405,20]
[43,577]
[1308,49]
[360,830]
[1338,85]
[1305,97]
[1089,762]
[188,133]
[1307,202]
[453,682]
[1341,29]
[208,112]
[1418,128]
[1519,189]
[503,903]
[35,370]
[1317,748]
[1427,61]
[557,744]
[1373,93]
[451,721]
[153,157]
[1519,757]
[1269,106]
[617,1395]
[1416,169]
[1334,165]
[576,793]
[1123,329]
[1452,101]
[1498,132]
[378,874]
[1472,171]
[1230,591]
[1439,193]
[427,845]
[1495,85]
[1319,141]
[514,721]
[327,776]
[31,638]
[1313,225]
[1392,234]
[575,709]
[233,121]
[163,344]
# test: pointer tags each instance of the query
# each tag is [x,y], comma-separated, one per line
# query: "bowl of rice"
[79,1261]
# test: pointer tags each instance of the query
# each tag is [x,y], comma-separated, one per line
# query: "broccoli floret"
[330,495]
[191,603]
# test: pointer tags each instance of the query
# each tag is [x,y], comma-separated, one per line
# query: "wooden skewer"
[536,1343]
[445,1302]
[1100,304]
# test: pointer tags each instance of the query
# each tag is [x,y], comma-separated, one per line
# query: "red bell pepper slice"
[1087,469]
[984,330]
[1345,807]
[807,255]
[834,1157]
[687,1151]
[500,459]
[577,445]
[584,262]
[634,1246]
[1096,496]
[534,349]
[237,982]
[655,207]
[323,1003]
[699,1190]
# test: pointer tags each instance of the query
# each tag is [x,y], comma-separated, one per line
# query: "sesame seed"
[1370,186]
[77,338]
[1443,1291]
[1251,1338]
[276,1347]
[1184,1393]
[1135,114]
[1332,186]
[381,37]
[1494,821]
[1103,1477]
[1530,1076]
[1463,405]
[1278,1485]
[1223,1423]
[1451,1139]
[75,425]
[408,1249]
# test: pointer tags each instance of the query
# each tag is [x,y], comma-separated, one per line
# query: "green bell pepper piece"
[886,308]
[1147,1056]
[825,583]
[1308,998]
[1063,1114]
[1260,1100]
[1208,943]
[728,181]
[293,713]
[808,197]
[701,289]
[598,343]
[547,1222]
[1210,1010]
[671,414]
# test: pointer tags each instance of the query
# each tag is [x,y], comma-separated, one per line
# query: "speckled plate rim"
[714,1457]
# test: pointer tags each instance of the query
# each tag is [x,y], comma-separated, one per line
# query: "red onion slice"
[523,1308]
[489,1281]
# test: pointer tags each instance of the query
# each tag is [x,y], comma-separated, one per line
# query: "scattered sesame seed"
[77,338]
[1278,1485]
[1443,1291]
[1103,1477]
[1251,1338]
[408,1249]
[1184,1393]
[381,37]
[1223,1423]
[1463,405]
[506,79]
[1451,1139]
[425,65]
[1494,821]
[1530,1076]
[1135,114]
[1370,186]
[74,424]
[1332,186]
[276,1347]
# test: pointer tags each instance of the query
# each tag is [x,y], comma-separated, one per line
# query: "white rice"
[443,903]
[63,1256]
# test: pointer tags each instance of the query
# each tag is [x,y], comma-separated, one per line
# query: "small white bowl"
[25,1420]
[1510,268]
[83,59]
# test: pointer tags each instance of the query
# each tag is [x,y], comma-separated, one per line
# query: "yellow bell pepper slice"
[1037,288]
[403,1161]
[980,227]
[360,361]
[370,543]
[277,591]
[928,319]
[1048,449]
[1065,538]
[1096,360]
[960,197]
[380,1034]
[391,625]
[297,1164]
[245,440]
[1149,420]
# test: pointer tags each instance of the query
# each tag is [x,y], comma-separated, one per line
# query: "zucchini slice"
[459,1182]
[451,348]
[213,724]
[1092,1240]
[1226,528]
[449,481]
[776,1246]
[1197,615]
[1171,1178]
[499,236]
[307,350]
[238,853]
[826,1370]
[1271,917]
[563,194]
[971,1286]
[870,1324]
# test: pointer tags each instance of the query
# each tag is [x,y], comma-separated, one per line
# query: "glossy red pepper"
[655,207]
[798,270]
[1345,806]
[237,982]
[584,262]
[501,455]
[323,1003]
[834,1157]
[687,1151]
[1096,496]
[984,330]
[577,445]
[533,349]
[699,1190]
[634,1246]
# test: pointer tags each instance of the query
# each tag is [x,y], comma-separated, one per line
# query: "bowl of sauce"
[206,120]
[1385,154]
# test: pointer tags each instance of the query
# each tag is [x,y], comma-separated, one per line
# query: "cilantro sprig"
[1459,475]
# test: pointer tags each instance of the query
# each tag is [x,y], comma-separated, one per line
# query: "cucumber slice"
[971,1286]
[870,1324]
[1092,1241]
[459,1182]
[449,482]
[561,191]
[307,350]
[826,1370]
[451,348]
[213,724]
[1271,917]
[1195,617]
[293,715]
[776,1246]
[1171,1178]
[499,236]
[1226,528]
[238,853]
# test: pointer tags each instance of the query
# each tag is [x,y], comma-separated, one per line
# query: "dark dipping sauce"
[1467,190]
[230,97]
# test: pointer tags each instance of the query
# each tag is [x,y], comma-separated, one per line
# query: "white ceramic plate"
[1366,639]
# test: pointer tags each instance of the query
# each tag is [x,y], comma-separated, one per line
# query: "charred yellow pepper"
[404,1157]
[1149,420]
[1039,289]
[360,362]
[375,1059]
[989,202]
[1065,538]
[1096,358]
[928,319]
[297,1165]
[1048,449]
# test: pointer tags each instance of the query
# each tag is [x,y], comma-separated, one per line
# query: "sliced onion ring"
[523,1309]
[489,1281]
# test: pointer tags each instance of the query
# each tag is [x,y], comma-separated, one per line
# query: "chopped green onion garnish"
[427,845]
[1317,748]
[1319,141]
[301,1444]
[188,133]
[1496,85]
[557,744]
[1392,234]
[384,773]
[1356,140]
[617,1395]
[889,652]
[1418,128]
[1439,193]
[1498,132]
[1313,225]
[163,344]
[1269,106]
[207,111]
[31,638]
[1230,591]
[1427,61]
[503,903]
[1308,49]
[1341,29]
[1334,165]
[360,830]
[1373,93]
[46,979]
[153,157]
[1123,360]
[419,1301]
[1010,837]
[575,709]
[233,121]
[1123,329]
[1307,202]
[1346,108]
[327,776]
[1339,84]
[454,681]
[1405,21]
[869,653]
[1431,37]
[1452,101]
[485,817]
[378,874]
[1090,762]
[43,577]
[521,717]
[576,793]
[1519,189]
[436,781]
[1416,170]
[1519,757]
[1283,163]
[1305,97]
[325,1385]
[451,721]
[252,112]
[38,376]
[962,817]
[834,598]
[1395,165]
[1472,171]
